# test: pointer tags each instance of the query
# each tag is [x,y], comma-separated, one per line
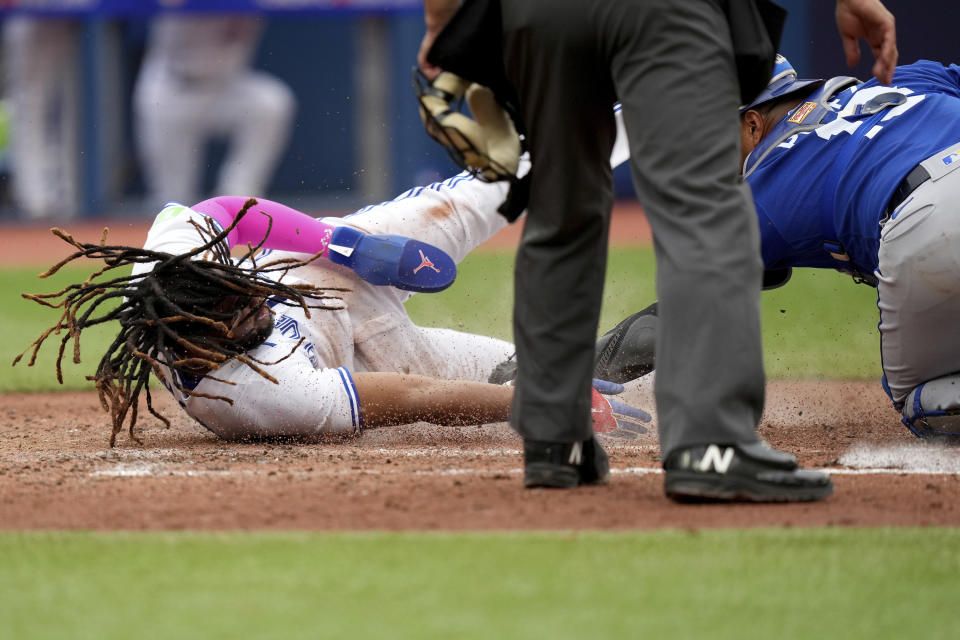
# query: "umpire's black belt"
[917,176]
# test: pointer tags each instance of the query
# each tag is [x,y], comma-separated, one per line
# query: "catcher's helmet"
[783,82]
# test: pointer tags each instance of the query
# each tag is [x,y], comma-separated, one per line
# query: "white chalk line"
[860,459]
[156,470]
[129,471]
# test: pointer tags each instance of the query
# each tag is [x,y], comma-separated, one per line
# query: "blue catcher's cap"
[783,82]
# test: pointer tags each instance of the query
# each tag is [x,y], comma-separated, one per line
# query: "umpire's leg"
[676,79]
[566,97]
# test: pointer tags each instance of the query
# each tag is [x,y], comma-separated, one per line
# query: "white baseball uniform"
[39,56]
[372,332]
[196,84]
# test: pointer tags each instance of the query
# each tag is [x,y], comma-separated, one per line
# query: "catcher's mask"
[487,147]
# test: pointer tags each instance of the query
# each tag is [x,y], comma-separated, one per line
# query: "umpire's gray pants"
[670,63]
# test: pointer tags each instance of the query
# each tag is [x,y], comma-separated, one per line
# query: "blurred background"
[112,107]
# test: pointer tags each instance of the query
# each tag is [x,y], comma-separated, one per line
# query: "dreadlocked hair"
[168,316]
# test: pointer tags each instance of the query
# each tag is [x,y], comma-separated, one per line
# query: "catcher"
[306,333]
[859,177]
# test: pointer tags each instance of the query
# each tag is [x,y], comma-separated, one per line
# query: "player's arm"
[388,399]
[628,350]
[307,402]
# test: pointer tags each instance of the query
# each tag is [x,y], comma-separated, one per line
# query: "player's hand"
[436,15]
[431,71]
[613,418]
[870,20]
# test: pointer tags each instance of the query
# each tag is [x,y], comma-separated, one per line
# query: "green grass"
[846,583]
[22,321]
[819,325]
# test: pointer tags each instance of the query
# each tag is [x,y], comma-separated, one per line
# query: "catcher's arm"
[628,351]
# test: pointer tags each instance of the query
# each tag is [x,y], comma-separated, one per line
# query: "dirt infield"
[57,471]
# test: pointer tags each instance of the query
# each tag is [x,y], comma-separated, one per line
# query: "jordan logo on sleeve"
[425,262]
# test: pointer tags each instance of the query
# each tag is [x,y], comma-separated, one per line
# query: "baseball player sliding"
[859,177]
[307,333]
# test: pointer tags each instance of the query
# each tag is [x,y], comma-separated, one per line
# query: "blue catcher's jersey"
[850,166]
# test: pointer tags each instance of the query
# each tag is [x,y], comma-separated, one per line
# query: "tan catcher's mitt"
[487,146]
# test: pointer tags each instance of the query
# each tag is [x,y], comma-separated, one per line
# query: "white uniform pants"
[456,216]
[40,57]
[178,113]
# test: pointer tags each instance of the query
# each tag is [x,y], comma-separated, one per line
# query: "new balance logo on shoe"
[761,474]
[715,460]
[576,453]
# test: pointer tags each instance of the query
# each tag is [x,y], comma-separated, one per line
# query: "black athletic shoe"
[564,465]
[741,473]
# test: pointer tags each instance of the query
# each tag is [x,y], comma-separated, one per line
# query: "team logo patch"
[425,262]
[802,112]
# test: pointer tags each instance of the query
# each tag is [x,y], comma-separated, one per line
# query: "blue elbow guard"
[394,261]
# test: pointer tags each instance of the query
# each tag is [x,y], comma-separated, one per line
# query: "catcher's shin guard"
[391,260]
[488,146]
[932,410]
[627,351]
